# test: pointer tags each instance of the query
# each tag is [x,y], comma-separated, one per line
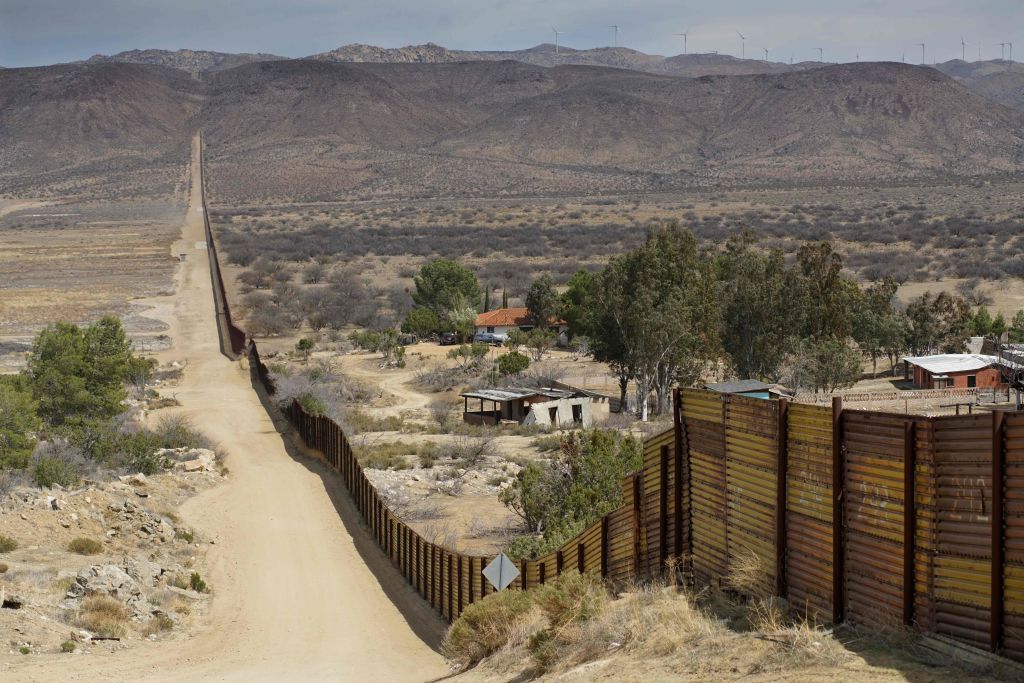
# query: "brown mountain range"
[313,129]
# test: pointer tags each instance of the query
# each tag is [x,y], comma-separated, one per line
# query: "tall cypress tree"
[487,297]
[504,298]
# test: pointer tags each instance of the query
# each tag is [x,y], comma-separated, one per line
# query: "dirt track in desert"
[300,592]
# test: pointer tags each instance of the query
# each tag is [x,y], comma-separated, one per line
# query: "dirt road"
[300,591]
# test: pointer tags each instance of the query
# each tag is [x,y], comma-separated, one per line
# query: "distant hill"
[95,129]
[999,80]
[546,55]
[316,129]
[186,60]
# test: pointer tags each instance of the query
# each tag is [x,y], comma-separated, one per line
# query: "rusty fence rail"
[868,517]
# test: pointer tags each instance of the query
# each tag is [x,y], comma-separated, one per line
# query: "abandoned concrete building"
[544,407]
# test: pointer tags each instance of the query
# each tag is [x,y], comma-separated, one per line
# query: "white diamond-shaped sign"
[501,572]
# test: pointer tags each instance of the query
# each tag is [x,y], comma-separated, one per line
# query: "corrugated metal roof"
[516,393]
[952,362]
[739,386]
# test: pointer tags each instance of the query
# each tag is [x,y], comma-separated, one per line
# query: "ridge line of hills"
[319,129]
[999,80]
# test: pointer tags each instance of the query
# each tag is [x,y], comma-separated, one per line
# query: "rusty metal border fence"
[874,518]
[232,339]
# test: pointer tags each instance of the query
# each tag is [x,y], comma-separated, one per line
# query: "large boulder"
[108,579]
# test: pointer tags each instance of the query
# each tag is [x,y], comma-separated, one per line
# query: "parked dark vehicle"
[448,339]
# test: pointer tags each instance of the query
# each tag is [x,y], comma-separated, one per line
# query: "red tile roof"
[503,317]
[508,317]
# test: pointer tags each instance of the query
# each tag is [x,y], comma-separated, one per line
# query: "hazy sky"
[47,31]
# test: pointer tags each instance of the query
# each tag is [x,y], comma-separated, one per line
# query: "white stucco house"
[501,321]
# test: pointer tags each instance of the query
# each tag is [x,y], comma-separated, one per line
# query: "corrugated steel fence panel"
[809,510]
[704,419]
[751,455]
[873,517]
[962,573]
[1013,533]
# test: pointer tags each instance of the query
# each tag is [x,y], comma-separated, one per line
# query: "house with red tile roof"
[501,321]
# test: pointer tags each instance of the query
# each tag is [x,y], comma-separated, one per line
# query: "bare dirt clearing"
[300,591]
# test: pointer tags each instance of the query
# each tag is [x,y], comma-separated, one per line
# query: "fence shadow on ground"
[424,621]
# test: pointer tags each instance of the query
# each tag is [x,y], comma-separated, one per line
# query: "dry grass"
[575,620]
[85,546]
[103,615]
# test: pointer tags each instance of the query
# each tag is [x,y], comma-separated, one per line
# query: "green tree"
[462,318]
[999,326]
[827,299]
[577,302]
[542,302]
[444,285]
[561,497]
[468,354]
[540,341]
[1017,328]
[981,323]
[18,421]
[877,325]
[659,313]
[487,298]
[512,363]
[516,340]
[938,323]
[304,346]
[836,365]
[422,322]
[759,319]
[80,373]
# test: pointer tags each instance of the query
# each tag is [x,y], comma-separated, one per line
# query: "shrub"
[485,627]
[85,546]
[50,469]
[104,615]
[571,491]
[196,583]
[160,622]
[25,649]
[3,568]
[311,404]
[7,544]
[67,646]
[512,363]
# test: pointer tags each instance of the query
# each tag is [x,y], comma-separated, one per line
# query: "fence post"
[542,573]
[998,455]
[580,557]
[677,477]
[909,520]
[559,562]
[838,571]
[604,546]
[781,472]
[459,610]
[451,587]
[663,510]
[637,521]
[523,583]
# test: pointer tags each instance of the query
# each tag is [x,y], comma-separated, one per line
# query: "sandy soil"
[300,591]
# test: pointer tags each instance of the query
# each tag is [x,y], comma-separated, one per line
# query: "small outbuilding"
[953,371]
[747,387]
[545,407]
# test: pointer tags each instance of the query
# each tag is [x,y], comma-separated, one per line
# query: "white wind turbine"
[684,40]
[615,35]
[557,33]
[743,45]
[963,49]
